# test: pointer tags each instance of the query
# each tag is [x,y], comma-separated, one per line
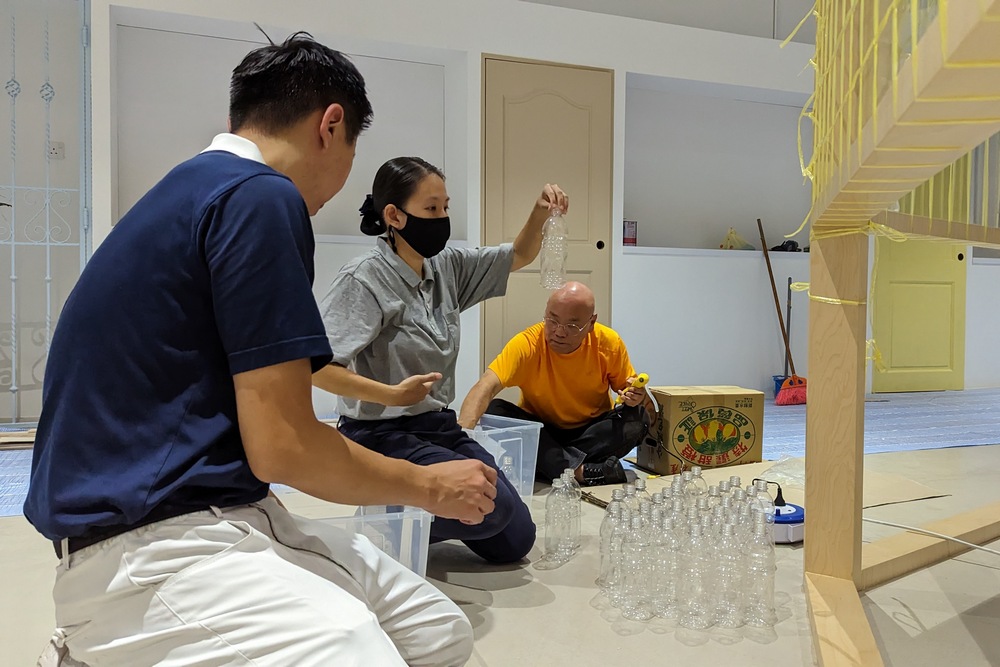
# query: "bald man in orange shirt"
[567,368]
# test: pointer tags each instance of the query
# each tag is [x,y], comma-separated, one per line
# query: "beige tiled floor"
[947,614]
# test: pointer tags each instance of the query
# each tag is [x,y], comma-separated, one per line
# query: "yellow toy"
[640,381]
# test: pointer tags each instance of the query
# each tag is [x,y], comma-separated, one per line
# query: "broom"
[793,389]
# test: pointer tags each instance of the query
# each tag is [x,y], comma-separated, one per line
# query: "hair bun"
[371,222]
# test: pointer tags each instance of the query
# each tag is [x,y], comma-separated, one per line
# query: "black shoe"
[609,472]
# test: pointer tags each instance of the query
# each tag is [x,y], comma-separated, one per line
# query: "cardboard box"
[704,426]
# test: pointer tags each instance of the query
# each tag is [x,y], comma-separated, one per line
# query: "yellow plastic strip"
[943,22]
[804,287]
[914,8]
[874,355]
[948,121]
[807,170]
[811,12]
[972,64]
[985,193]
[875,40]
[917,149]
[895,61]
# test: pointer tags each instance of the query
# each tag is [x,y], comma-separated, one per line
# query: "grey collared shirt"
[386,323]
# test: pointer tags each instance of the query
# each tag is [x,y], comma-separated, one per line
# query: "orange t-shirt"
[564,390]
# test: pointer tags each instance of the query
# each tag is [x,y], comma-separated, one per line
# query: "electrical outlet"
[57,150]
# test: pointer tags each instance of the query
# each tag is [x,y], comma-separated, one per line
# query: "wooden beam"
[945,103]
[840,629]
[899,555]
[835,406]
[934,228]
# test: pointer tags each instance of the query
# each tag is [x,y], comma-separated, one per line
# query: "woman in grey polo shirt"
[393,314]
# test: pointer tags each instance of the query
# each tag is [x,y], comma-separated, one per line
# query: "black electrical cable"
[779,500]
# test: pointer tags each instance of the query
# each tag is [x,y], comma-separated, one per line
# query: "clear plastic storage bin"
[402,532]
[513,439]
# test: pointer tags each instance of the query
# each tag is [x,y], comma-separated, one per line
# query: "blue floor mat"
[15,467]
[898,422]
[893,423]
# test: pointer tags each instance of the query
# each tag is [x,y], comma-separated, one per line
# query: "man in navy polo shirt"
[178,386]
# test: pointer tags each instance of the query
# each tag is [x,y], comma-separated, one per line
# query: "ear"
[393,216]
[331,124]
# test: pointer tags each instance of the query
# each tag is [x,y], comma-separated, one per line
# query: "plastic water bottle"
[615,574]
[692,489]
[699,480]
[635,600]
[764,500]
[729,579]
[570,476]
[574,509]
[714,497]
[759,587]
[640,490]
[645,512]
[703,506]
[708,533]
[612,518]
[555,249]
[665,552]
[617,499]
[696,598]
[558,535]
[631,500]
[677,513]
[507,468]
[556,526]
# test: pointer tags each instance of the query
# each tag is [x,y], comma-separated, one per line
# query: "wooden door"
[918,320]
[546,123]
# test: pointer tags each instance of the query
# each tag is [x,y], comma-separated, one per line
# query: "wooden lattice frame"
[883,125]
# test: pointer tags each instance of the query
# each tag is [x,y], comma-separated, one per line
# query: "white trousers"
[249,585]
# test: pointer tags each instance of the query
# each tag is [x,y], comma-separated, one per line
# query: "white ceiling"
[773,19]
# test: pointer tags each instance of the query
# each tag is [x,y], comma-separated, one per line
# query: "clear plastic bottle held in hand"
[555,250]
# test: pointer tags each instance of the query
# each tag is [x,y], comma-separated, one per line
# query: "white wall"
[693,317]
[763,18]
[698,164]
[173,97]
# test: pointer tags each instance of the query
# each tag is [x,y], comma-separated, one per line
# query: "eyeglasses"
[568,328]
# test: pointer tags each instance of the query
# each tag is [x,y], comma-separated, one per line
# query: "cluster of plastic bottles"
[697,555]
[562,521]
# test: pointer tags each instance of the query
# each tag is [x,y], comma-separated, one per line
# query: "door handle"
[600,245]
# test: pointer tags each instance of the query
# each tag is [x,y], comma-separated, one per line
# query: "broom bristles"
[792,392]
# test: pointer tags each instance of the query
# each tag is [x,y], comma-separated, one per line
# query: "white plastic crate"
[402,532]
[514,438]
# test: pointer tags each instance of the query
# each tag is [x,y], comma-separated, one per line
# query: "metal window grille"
[44,193]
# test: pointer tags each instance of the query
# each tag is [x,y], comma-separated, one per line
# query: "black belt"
[101,533]
[77,543]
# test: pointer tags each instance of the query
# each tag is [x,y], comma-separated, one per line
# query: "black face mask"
[428,236]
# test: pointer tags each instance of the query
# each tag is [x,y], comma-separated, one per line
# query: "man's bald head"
[573,294]
[569,317]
